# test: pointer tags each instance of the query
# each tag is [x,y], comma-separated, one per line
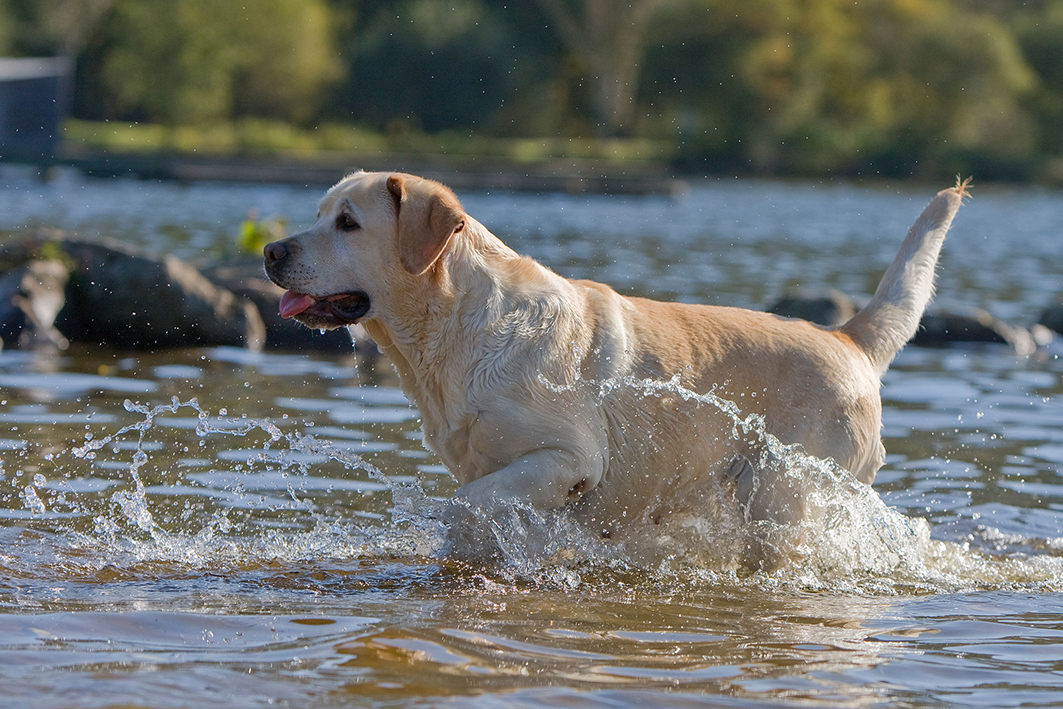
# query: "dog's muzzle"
[319,312]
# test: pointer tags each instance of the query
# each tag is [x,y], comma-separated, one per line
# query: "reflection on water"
[272,542]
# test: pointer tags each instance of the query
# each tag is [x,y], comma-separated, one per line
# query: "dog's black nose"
[275,252]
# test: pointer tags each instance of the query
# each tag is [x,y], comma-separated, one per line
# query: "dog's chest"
[468,448]
[449,420]
[477,432]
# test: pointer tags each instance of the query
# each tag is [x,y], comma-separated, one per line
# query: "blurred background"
[875,88]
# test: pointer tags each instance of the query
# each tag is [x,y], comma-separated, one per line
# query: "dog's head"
[375,233]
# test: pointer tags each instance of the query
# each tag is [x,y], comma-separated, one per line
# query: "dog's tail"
[892,316]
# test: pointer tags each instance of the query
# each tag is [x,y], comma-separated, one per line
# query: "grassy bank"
[269,139]
[262,137]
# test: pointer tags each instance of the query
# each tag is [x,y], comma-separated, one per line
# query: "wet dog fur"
[535,389]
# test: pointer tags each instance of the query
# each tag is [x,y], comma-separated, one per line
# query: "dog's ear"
[429,216]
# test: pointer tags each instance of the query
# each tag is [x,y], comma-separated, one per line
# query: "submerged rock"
[1052,318]
[940,328]
[31,298]
[126,299]
[936,329]
[55,288]
[823,307]
[121,297]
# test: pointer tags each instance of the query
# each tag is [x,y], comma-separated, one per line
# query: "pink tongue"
[293,303]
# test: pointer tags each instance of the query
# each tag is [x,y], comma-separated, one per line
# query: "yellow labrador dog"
[549,392]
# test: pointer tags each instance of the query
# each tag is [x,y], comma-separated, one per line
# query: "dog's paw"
[469,534]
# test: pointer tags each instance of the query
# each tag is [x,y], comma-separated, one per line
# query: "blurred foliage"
[7,29]
[195,61]
[255,232]
[251,136]
[872,87]
[429,65]
[818,86]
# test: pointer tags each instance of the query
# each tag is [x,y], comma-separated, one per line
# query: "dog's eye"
[345,222]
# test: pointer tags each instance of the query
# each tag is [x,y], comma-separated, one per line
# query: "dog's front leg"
[543,479]
[531,485]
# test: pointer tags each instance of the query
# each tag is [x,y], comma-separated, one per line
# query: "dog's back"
[696,374]
[813,386]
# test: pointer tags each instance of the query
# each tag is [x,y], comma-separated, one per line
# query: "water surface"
[212,527]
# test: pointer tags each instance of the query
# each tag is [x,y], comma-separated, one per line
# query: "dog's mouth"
[327,312]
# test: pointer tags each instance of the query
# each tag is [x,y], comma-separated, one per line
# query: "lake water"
[213,527]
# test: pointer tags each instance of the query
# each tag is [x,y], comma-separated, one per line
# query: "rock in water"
[31,297]
[823,307]
[121,297]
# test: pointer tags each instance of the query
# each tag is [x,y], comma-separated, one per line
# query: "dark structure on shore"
[33,100]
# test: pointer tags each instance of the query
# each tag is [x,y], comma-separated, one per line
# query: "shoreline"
[571,176]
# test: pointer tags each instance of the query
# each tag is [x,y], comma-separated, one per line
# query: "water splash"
[853,541]
[848,538]
[216,541]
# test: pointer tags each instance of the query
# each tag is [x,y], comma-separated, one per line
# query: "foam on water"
[851,540]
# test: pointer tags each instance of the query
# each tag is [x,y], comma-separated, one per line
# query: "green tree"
[958,80]
[50,27]
[190,61]
[817,85]
[1040,36]
[430,65]
[289,57]
[6,29]
[608,38]
[787,86]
